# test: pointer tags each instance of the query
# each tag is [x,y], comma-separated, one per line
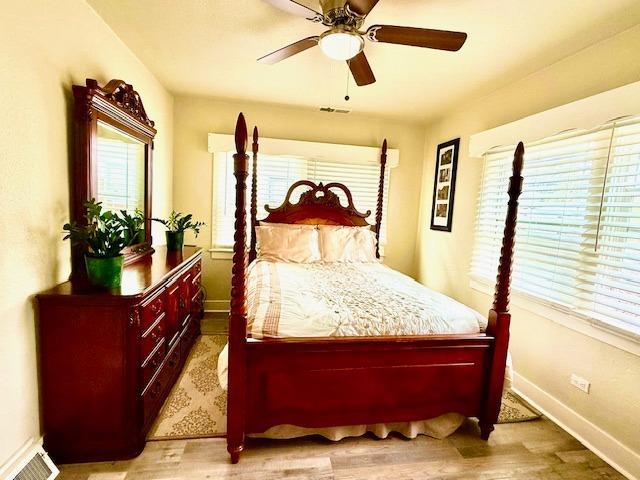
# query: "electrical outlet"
[580,383]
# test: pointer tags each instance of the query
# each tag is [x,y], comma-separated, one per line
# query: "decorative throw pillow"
[347,244]
[297,244]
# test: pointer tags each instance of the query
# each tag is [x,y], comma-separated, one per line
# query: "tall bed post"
[254,195]
[383,164]
[499,317]
[238,314]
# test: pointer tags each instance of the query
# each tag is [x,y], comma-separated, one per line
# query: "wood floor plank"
[537,450]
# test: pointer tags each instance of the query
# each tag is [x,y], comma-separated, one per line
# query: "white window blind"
[121,171]
[276,173]
[578,233]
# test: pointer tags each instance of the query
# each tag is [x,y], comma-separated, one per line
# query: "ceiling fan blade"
[289,50]
[361,70]
[417,37]
[362,7]
[295,8]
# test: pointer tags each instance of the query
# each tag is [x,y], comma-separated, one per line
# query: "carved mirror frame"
[118,105]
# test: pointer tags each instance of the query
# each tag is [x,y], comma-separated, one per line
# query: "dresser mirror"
[113,158]
[120,160]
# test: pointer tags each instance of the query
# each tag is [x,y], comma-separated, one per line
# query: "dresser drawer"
[189,335]
[173,361]
[196,269]
[184,300]
[152,309]
[151,364]
[196,305]
[173,315]
[154,394]
[152,337]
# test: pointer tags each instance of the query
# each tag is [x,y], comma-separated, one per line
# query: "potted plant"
[133,226]
[104,238]
[176,225]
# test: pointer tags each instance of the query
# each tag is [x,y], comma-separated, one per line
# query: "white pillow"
[347,244]
[297,244]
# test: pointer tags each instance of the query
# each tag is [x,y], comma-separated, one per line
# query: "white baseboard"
[216,306]
[612,451]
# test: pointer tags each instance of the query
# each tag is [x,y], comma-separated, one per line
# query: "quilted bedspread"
[348,299]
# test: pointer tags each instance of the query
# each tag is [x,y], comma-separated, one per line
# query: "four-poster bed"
[330,381]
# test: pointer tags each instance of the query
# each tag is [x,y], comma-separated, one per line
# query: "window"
[120,168]
[276,173]
[578,234]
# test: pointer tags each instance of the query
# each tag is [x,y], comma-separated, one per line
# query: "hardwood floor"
[531,450]
[214,325]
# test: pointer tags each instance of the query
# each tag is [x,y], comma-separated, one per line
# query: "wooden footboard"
[351,381]
[326,382]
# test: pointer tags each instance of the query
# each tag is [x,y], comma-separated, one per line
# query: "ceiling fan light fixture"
[341,44]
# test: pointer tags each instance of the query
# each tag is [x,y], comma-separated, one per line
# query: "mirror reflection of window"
[120,170]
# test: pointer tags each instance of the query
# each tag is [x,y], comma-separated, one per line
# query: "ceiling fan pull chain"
[346,97]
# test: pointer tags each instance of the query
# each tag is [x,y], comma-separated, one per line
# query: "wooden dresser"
[109,359]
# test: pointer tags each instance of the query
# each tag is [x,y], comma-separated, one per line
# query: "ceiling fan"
[345,41]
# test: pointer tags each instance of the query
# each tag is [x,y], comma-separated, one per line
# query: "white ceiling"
[209,47]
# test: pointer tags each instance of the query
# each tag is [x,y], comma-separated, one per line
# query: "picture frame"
[444,185]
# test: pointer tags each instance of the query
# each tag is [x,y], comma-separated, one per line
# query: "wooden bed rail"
[499,318]
[238,312]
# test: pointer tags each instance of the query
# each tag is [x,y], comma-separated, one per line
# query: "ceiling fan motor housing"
[337,12]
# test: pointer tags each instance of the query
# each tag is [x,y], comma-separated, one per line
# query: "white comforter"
[348,299]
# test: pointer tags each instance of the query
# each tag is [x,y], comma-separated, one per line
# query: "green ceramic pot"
[104,272]
[175,240]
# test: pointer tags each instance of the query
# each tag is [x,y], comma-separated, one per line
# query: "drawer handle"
[156,307]
[155,362]
[182,302]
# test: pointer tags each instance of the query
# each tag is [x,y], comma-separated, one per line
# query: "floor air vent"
[333,110]
[38,467]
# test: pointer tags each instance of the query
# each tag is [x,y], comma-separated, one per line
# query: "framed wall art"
[444,185]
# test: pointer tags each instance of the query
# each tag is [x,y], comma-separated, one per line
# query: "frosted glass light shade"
[341,45]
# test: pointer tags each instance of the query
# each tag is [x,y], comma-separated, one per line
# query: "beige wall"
[46,47]
[196,117]
[544,352]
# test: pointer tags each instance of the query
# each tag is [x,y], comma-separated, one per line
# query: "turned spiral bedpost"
[499,317]
[503,280]
[238,313]
[383,164]
[254,195]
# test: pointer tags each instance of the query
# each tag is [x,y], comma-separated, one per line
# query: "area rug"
[514,409]
[197,405]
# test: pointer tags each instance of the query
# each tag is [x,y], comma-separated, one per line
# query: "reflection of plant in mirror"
[133,225]
[103,235]
[179,222]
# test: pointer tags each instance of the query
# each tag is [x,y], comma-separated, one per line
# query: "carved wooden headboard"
[318,205]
